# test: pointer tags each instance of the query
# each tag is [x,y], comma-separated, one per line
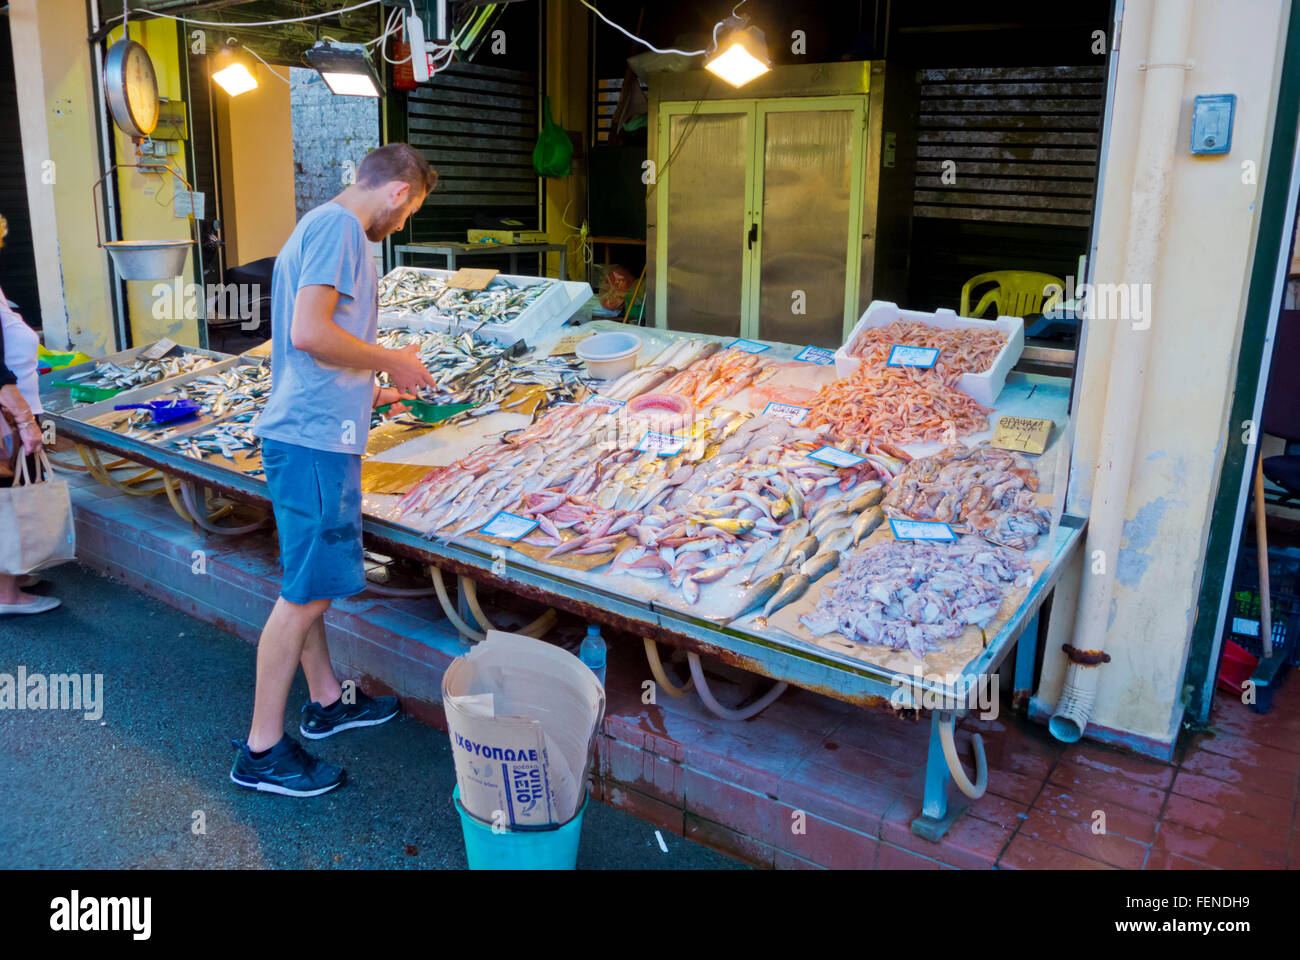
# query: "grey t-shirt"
[315,404]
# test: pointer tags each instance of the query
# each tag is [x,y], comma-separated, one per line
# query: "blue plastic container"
[555,848]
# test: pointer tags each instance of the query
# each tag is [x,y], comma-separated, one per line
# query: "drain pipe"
[1164,66]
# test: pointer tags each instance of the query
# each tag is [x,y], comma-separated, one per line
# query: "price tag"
[786,411]
[749,346]
[159,349]
[567,344]
[816,355]
[507,526]
[921,530]
[598,401]
[835,457]
[471,278]
[1026,434]
[664,444]
[901,356]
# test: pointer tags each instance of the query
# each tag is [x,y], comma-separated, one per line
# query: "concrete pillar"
[1197,305]
[56,109]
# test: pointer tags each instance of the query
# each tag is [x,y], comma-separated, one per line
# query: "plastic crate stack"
[1284,594]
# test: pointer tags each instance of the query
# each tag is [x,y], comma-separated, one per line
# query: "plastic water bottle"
[592,652]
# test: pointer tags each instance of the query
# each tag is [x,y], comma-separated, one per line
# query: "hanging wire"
[646,44]
[253,23]
[264,63]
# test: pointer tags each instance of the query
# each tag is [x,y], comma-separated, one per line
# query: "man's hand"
[407,370]
[393,397]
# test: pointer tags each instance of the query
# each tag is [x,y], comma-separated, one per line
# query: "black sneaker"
[286,769]
[319,722]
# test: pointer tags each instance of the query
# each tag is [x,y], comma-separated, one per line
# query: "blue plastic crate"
[1243,623]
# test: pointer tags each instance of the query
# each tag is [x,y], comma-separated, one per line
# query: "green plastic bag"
[554,149]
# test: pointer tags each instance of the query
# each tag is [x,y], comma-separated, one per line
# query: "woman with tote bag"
[20,524]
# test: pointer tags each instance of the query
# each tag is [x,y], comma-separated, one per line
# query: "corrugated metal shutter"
[17,260]
[1020,144]
[607,93]
[477,125]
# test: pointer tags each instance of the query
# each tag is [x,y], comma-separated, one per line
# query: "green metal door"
[759,214]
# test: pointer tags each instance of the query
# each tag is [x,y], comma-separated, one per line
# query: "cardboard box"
[507,236]
[523,717]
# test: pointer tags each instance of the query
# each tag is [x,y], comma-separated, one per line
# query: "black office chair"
[246,313]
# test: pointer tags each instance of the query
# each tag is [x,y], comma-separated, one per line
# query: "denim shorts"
[316,495]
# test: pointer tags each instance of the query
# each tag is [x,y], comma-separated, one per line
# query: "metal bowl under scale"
[148,259]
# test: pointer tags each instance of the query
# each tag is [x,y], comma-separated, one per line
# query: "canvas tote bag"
[36,528]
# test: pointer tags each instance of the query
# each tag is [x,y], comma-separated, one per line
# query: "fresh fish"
[838,540]
[801,551]
[865,523]
[791,589]
[868,498]
[757,595]
[820,564]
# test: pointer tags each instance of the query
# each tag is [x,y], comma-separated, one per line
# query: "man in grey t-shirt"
[324,319]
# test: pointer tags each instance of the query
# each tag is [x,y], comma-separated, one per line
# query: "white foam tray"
[540,318]
[983,387]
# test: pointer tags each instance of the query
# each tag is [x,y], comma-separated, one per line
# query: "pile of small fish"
[237,389]
[469,370]
[981,490]
[230,437]
[671,361]
[140,372]
[407,292]
[501,302]
[722,375]
[912,595]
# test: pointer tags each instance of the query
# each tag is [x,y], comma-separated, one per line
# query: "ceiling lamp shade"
[345,68]
[232,73]
[741,55]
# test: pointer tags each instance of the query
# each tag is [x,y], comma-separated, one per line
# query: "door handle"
[753,234]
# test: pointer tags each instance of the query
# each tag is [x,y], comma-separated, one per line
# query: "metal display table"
[454,251]
[781,657]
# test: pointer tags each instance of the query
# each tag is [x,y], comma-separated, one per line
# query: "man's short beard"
[389,224]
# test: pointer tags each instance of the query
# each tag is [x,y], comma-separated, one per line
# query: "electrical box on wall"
[1212,123]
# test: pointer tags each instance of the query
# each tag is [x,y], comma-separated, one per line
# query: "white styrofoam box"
[544,315]
[983,387]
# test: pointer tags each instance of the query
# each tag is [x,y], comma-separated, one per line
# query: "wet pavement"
[146,784]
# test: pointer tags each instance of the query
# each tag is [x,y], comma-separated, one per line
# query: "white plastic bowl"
[609,355]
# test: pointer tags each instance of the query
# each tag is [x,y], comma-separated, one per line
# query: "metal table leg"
[1026,650]
[936,813]
[564,263]
[514,264]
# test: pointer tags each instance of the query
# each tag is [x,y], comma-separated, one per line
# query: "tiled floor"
[811,782]
[1228,801]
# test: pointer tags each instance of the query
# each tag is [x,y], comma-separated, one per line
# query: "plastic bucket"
[609,355]
[555,848]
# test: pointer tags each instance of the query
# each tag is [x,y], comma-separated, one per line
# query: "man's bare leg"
[279,650]
[321,681]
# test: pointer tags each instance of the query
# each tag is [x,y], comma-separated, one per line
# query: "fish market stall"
[852,523]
